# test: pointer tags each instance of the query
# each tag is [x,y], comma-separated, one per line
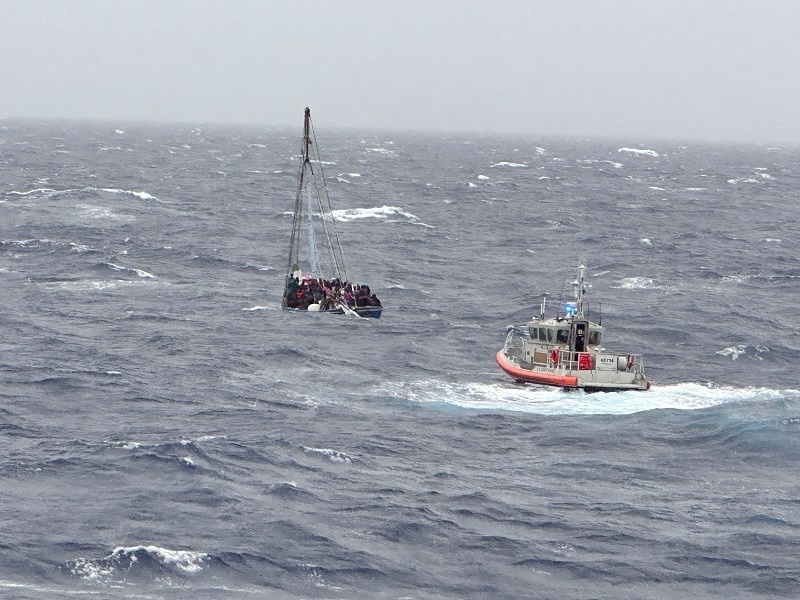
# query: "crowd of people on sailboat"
[303,292]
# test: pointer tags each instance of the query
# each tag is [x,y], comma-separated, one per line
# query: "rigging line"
[315,178]
[325,228]
[297,219]
[313,256]
[342,258]
[337,259]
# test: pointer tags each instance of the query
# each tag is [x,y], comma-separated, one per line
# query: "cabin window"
[562,336]
[550,335]
[542,334]
[594,338]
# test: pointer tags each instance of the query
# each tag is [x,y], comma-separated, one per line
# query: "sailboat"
[318,278]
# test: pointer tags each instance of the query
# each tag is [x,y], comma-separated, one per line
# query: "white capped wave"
[554,401]
[639,151]
[30,243]
[332,455]
[138,272]
[131,445]
[637,283]
[88,190]
[754,352]
[695,189]
[510,164]
[125,558]
[379,212]
[645,242]
[125,445]
[382,151]
[738,180]
[30,192]
[482,177]
[94,285]
[471,185]
[141,195]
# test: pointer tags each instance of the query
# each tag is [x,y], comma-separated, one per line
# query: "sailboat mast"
[306,135]
[300,201]
[334,245]
[312,199]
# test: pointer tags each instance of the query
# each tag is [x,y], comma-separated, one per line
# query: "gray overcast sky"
[686,69]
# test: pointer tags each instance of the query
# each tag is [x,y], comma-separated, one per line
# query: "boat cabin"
[577,335]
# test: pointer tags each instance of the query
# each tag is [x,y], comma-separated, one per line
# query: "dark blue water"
[167,432]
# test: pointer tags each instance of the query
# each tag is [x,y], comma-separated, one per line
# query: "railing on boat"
[591,361]
[557,358]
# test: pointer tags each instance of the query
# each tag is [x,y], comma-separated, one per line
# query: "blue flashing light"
[570,309]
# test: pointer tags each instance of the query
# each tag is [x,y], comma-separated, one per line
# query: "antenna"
[560,302]
[580,288]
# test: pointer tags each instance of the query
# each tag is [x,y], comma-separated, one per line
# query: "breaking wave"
[49,192]
[332,455]
[131,270]
[742,350]
[386,213]
[639,151]
[133,557]
[510,164]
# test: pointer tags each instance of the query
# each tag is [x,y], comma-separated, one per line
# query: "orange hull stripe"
[533,377]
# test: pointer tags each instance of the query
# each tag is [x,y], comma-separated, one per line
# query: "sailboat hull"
[367,312]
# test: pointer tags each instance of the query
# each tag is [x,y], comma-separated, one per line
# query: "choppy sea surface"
[166,431]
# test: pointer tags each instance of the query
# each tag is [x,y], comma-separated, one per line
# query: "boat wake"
[554,401]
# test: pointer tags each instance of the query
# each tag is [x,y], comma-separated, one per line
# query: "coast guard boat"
[566,351]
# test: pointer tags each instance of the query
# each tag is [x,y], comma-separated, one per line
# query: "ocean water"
[166,431]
